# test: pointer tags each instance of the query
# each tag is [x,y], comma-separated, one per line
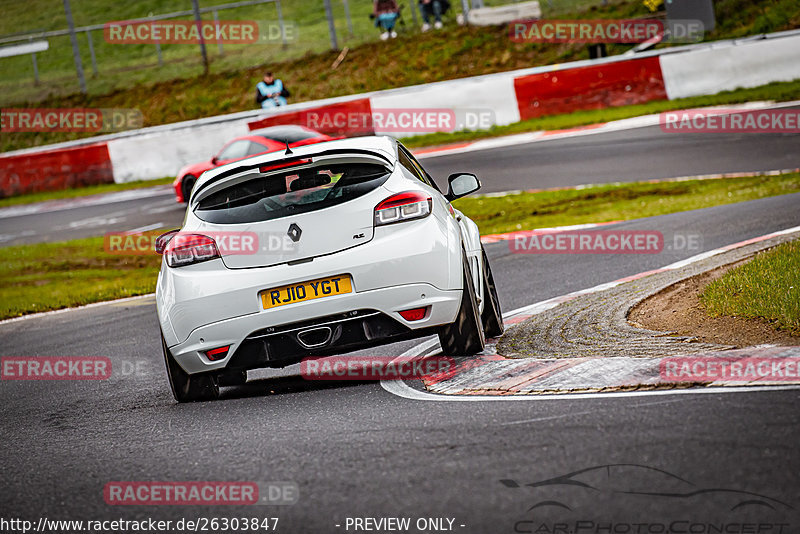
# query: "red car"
[256,142]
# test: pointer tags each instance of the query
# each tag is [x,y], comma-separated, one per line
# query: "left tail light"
[186,249]
[403,207]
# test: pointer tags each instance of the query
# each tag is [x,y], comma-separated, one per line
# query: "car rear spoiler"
[287,161]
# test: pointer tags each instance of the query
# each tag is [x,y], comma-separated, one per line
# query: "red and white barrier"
[621,83]
[707,71]
[333,119]
[494,92]
[161,151]
[50,170]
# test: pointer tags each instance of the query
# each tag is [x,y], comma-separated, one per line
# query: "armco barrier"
[597,86]
[54,170]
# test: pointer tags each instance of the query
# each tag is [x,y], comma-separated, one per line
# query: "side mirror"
[461,185]
[163,240]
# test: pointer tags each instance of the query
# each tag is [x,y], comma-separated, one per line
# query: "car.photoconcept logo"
[638,498]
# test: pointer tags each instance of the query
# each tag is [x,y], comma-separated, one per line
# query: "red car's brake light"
[403,207]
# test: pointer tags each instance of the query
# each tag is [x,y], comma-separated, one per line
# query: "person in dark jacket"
[433,9]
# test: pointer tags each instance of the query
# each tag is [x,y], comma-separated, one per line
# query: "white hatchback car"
[334,247]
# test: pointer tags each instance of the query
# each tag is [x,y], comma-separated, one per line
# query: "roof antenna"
[288,150]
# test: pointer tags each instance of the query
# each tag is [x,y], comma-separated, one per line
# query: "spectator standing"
[385,13]
[270,92]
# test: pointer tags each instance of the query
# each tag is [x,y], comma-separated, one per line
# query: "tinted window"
[283,134]
[256,148]
[406,159]
[406,162]
[235,150]
[291,192]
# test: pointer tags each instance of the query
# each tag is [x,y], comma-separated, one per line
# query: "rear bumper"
[410,265]
[256,341]
[177,185]
[198,295]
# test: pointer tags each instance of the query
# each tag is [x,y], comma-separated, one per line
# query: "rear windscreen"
[290,193]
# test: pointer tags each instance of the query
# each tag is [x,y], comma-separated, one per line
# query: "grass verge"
[50,276]
[80,192]
[524,211]
[777,92]
[767,287]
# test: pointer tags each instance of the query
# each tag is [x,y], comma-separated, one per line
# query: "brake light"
[415,314]
[403,207]
[284,164]
[163,240]
[186,249]
[218,353]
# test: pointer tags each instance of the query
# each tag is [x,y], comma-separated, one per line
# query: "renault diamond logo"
[294,232]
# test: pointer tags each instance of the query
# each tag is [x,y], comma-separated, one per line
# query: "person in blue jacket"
[270,92]
[386,13]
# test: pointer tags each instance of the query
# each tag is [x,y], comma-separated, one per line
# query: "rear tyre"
[492,315]
[464,336]
[186,387]
[186,187]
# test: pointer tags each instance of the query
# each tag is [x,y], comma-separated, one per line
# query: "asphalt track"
[355,450]
[618,156]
